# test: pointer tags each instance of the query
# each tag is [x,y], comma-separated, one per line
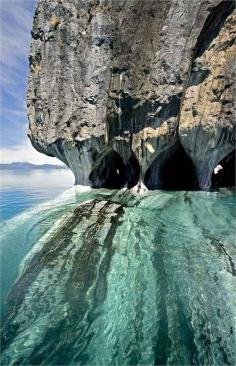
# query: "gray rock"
[111,85]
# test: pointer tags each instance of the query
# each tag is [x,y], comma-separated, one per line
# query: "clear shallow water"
[107,278]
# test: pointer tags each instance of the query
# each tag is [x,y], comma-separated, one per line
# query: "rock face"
[134,90]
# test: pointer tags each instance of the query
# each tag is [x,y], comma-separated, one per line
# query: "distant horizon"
[62,165]
[26,153]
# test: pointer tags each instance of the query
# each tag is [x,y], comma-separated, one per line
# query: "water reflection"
[30,179]
[21,190]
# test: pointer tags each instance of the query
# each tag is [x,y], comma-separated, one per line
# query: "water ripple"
[116,279]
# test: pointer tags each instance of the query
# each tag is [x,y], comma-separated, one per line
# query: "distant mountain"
[29,166]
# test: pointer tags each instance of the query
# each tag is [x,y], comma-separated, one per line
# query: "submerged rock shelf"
[118,279]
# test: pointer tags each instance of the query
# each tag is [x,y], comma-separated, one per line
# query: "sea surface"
[106,277]
[21,190]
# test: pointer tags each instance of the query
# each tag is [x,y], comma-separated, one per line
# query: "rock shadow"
[172,170]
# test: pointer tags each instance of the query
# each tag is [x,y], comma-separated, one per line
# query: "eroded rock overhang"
[128,91]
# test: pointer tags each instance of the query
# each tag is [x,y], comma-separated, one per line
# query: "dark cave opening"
[132,172]
[109,171]
[224,173]
[172,170]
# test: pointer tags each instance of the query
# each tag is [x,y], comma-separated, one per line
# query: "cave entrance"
[224,173]
[172,170]
[109,171]
[132,172]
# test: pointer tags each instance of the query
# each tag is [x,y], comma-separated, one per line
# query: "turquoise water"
[99,277]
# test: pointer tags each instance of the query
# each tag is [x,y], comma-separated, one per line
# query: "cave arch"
[172,170]
[224,173]
[109,171]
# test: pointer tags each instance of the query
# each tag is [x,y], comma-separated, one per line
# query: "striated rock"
[206,126]
[135,90]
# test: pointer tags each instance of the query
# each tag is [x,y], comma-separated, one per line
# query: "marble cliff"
[127,91]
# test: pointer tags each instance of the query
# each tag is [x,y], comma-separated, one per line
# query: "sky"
[16,17]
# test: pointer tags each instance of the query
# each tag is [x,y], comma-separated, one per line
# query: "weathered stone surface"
[206,126]
[117,86]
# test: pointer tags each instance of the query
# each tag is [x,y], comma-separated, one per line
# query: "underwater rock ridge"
[135,91]
[122,279]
